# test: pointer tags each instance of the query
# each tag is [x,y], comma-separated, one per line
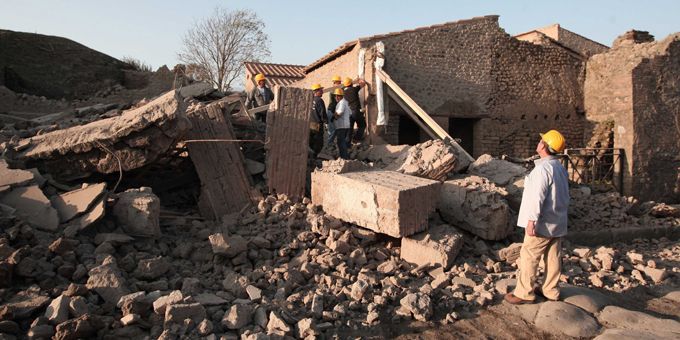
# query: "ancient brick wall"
[473,69]
[656,118]
[535,89]
[635,85]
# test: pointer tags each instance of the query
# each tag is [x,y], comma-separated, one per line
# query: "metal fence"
[597,167]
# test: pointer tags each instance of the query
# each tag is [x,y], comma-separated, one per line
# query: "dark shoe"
[539,292]
[512,299]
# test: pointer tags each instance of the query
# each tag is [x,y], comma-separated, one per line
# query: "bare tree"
[218,45]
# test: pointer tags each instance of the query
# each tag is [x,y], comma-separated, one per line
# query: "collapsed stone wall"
[635,85]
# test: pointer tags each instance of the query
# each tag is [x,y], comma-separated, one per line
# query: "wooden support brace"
[431,123]
[411,114]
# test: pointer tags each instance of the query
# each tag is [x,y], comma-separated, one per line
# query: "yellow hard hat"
[555,140]
[336,78]
[259,77]
[347,82]
[316,87]
[339,92]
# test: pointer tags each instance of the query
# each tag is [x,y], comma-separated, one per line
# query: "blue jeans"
[342,142]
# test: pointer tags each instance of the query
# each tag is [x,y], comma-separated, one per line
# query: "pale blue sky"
[303,31]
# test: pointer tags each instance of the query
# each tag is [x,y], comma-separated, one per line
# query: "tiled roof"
[350,44]
[277,74]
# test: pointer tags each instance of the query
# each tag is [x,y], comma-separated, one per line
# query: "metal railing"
[597,167]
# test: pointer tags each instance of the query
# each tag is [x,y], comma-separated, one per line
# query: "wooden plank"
[414,106]
[411,114]
[438,130]
[225,183]
[288,142]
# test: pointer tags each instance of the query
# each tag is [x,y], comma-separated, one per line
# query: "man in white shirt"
[543,214]
[342,114]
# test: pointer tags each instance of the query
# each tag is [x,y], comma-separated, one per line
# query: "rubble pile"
[401,233]
[620,267]
[137,136]
[588,211]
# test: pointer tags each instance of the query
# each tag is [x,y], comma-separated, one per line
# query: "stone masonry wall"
[473,69]
[535,89]
[635,85]
[579,43]
[656,118]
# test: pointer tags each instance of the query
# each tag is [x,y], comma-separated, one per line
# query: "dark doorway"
[409,131]
[463,129]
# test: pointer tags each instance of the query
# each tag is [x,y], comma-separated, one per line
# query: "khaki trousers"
[533,249]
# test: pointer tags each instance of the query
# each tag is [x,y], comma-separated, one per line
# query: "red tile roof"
[277,74]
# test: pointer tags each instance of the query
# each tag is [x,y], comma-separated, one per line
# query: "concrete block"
[386,202]
[438,245]
[476,205]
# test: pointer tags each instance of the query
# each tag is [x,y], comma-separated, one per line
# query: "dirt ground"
[502,321]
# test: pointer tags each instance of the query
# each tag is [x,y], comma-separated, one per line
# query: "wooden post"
[225,183]
[288,141]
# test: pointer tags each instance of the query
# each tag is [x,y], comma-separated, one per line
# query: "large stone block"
[474,204]
[505,174]
[438,245]
[137,212]
[384,201]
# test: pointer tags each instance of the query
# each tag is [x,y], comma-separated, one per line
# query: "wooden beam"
[288,142]
[225,183]
[411,114]
[438,130]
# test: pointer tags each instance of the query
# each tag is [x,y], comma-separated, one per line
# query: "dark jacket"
[332,103]
[352,97]
[318,112]
[256,99]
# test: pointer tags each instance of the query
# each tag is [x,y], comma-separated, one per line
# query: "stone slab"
[622,318]
[629,334]
[386,202]
[137,137]
[32,206]
[76,202]
[561,318]
[14,177]
[438,245]
[587,299]
[476,205]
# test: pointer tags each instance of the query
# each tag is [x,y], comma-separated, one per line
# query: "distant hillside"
[55,67]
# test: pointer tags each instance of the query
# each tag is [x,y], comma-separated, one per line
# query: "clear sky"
[303,31]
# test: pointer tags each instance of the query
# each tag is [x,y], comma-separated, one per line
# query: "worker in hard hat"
[332,103]
[352,95]
[260,95]
[543,215]
[342,115]
[316,120]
